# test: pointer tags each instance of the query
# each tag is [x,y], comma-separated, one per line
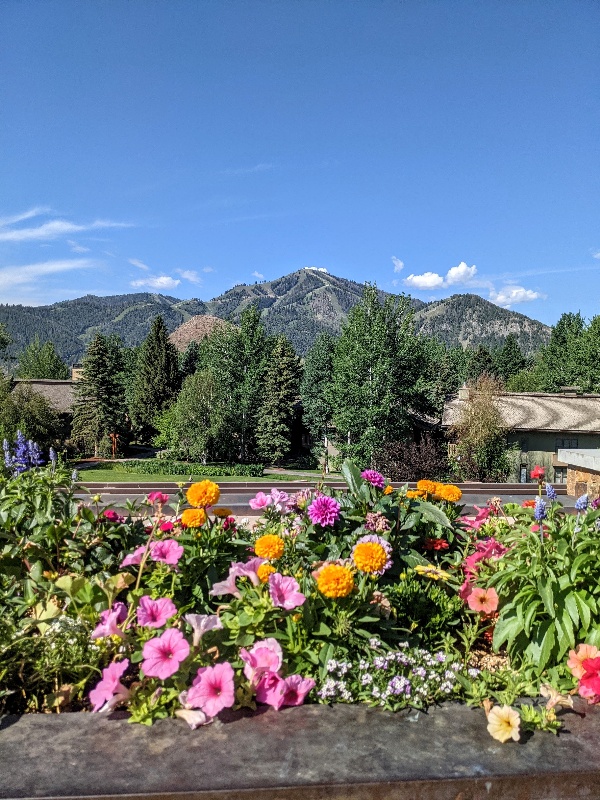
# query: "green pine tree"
[100,403]
[188,360]
[314,391]
[41,361]
[156,381]
[509,360]
[559,361]
[480,363]
[280,395]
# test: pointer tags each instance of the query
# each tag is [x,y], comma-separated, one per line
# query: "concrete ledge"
[313,752]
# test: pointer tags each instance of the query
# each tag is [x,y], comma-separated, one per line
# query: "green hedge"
[158,466]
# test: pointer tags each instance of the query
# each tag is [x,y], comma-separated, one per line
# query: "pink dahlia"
[163,655]
[324,510]
[264,656]
[109,690]
[154,613]
[285,592]
[167,551]
[373,477]
[213,689]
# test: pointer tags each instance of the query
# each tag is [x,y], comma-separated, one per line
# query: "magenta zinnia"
[324,510]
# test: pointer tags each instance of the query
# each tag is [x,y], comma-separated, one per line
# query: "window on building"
[566,444]
[560,474]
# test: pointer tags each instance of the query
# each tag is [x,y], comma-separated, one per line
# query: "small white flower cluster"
[393,679]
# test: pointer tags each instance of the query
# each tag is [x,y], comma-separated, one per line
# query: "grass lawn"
[114,476]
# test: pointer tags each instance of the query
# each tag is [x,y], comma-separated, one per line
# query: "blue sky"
[431,146]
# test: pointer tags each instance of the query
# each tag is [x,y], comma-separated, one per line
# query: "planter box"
[313,752]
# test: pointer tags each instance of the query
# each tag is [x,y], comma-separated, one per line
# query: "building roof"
[537,411]
[59,394]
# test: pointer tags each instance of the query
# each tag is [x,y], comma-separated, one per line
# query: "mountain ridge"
[300,304]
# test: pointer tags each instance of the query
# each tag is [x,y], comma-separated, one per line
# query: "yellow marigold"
[269,546]
[415,494]
[434,573]
[450,493]
[203,494]
[335,581]
[429,487]
[369,557]
[193,517]
[222,512]
[264,571]
[388,489]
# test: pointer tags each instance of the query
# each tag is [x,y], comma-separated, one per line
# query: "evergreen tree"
[188,360]
[480,363]
[314,391]
[41,361]
[277,410]
[378,376]
[5,338]
[509,360]
[156,380]
[100,403]
[252,360]
[560,362]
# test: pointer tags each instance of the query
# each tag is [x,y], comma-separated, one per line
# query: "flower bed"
[368,595]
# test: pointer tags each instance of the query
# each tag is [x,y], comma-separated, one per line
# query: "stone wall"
[581,481]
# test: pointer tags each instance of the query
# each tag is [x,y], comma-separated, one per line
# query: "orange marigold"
[429,487]
[415,494]
[203,494]
[222,512]
[369,557]
[269,546]
[193,517]
[335,581]
[264,571]
[450,493]
[388,489]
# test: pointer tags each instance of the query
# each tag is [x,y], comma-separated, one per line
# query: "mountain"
[300,305]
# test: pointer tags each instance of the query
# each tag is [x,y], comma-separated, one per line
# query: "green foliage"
[314,391]
[160,466]
[480,363]
[378,376]
[5,338]
[26,410]
[188,360]
[156,381]
[509,360]
[41,361]
[278,405]
[99,407]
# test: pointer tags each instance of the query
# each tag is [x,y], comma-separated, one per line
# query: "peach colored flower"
[484,600]
[578,656]
[503,723]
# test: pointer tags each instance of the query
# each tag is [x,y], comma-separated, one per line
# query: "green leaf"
[351,475]
[546,647]
[432,513]
[583,608]
[571,606]
[547,596]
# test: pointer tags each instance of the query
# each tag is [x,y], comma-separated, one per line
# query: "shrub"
[409,461]
[157,466]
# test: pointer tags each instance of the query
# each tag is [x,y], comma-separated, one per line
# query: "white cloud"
[258,275]
[317,269]
[428,280]
[398,265]
[53,229]
[395,282]
[596,255]
[208,269]
[135,262]
[157,282]
[511,295]
[27,273]
[460,274]
[262,167]
[76,248]
[190,275]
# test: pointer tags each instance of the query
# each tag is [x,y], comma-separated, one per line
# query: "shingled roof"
[59,394]
[537,411]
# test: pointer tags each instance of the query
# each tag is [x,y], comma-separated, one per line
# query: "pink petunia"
[201,624]
[590,682]
[108,625]
[295,689]
[238,569]
[270,689]
[260,501]
[285,592]
[465,590]
[264,656]
[279,499]
[158,497]
[578,656]
[135,557]
[167,551]
[483,600]
[154,613]
[213,689]
[109,690]
[163,655]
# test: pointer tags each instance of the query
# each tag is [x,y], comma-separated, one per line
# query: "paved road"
[236,495]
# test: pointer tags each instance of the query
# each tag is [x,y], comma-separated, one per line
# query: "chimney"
[464,393]
[76,371]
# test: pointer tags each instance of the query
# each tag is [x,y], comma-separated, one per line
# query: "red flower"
[537,473]
[528,504]
[591,678]
[436,544]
